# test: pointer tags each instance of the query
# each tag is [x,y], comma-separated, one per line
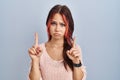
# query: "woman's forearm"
[35,73]
[77,73]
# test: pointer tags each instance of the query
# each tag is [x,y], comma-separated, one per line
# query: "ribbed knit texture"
[54,70]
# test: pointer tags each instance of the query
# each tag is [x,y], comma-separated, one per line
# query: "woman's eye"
[62,24]
[53,23]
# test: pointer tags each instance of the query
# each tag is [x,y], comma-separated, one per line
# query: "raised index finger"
[74,42]
[36,39]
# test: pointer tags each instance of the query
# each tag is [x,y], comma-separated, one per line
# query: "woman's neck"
[56,43]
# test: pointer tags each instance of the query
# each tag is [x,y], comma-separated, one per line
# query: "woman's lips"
[57,34]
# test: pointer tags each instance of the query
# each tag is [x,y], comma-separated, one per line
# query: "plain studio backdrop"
[97,30]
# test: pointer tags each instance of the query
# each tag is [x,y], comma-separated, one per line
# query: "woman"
[59,58]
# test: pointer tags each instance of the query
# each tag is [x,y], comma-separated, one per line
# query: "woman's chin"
[58,37]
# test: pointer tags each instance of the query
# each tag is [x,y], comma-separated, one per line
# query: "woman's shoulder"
[42,45]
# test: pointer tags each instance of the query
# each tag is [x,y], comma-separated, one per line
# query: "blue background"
[97,29]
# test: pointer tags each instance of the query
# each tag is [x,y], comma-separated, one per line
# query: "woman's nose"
[57,28]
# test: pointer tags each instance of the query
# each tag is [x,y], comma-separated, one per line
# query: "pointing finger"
[74,42]
[36,39]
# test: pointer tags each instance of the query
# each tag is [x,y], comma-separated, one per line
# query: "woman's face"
[57,27]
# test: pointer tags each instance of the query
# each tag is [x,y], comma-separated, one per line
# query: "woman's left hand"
[74,53]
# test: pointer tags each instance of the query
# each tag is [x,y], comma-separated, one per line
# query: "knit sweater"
[55,70]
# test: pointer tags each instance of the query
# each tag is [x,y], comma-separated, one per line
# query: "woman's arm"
[77,72]
[75,54]
[35,73]
[35,53]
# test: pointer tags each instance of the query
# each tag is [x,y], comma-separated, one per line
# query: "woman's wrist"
[77,64]
[35,61]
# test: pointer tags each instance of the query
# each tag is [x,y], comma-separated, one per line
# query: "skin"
[35,53]
[57,31]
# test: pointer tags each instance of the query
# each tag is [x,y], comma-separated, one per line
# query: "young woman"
[59,58]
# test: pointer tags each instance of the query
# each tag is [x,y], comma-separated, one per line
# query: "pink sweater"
[54,70]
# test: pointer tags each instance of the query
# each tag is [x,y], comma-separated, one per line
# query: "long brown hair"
[64,11]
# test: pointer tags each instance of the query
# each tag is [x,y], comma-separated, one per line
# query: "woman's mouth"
[56,34]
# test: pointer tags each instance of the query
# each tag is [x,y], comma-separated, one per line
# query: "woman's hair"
[64,11]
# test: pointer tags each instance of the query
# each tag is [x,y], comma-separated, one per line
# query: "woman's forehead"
[57,17]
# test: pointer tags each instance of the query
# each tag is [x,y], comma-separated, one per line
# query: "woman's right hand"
[35,51]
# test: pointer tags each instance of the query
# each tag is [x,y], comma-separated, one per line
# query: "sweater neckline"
[56,61]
